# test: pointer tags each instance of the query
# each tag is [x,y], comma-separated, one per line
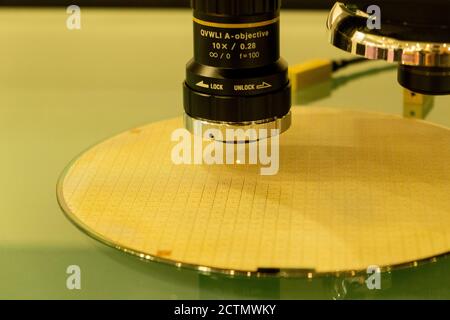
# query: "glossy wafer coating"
[354,189]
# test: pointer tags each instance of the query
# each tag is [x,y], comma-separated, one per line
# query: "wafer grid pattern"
[354,189]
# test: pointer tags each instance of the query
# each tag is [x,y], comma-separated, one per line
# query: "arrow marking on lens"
[264,85]
[202,84]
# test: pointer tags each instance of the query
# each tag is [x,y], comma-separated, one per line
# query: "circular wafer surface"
[353,189]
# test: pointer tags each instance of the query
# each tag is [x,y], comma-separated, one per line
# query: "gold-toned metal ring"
[236,25]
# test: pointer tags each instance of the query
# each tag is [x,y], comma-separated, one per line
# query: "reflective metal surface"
[349,32]
[199,126]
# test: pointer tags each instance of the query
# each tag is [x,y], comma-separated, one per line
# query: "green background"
[62,91]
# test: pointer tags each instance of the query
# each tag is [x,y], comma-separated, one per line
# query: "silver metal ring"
[272,126]
[360,41]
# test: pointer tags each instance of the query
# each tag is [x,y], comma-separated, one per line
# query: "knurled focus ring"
[237,108]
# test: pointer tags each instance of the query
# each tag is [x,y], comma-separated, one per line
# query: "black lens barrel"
[236,11]
[425,80]
[236,74]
